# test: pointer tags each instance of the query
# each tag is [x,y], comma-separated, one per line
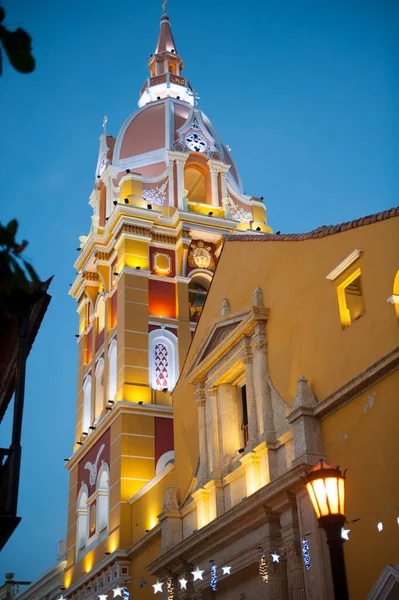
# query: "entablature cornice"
[247,515]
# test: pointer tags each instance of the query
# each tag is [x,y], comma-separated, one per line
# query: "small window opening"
[244,426]
[197,293]
[351,299]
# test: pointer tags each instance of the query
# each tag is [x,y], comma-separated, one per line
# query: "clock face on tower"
[196,141]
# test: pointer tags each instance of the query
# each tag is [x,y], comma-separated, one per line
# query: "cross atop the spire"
[164,3]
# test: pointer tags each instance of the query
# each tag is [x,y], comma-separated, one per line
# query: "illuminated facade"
[295,358]
[166,194]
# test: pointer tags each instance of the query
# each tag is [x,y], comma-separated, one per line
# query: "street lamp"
[326,488]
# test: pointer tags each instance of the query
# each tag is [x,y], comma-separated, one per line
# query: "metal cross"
[105,119]
[195,96]
[164,3]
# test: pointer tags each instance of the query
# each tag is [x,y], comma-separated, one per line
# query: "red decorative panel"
[161,366]
[169,253]
[100,339]
[90,464]
[162,298]
[163,436]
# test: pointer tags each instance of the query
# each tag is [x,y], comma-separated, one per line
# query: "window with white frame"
[112,371]
[99,404]
[81,518]
[102,499]
[87,404]
[163,363]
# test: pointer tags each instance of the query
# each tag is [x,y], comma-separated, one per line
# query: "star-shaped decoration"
[117,591]
[157,587]
[276,557]
[183,583]
[143,582]
[103,596]
[345,533]
[226,570]
[61,597]
[197,574]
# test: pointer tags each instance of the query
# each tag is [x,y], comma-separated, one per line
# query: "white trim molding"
[387,583]
[344,264]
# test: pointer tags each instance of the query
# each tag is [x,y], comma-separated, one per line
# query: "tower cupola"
[166,68]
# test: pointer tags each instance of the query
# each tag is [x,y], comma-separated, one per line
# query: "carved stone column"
[262,388]
[95,204]
[247,359]
[290,533]
[278,588]
[203,452]
[214,461]
[223,180]
[229,423]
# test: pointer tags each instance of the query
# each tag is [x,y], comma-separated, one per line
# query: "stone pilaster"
[213,434]
[203,469]
[253,438]
[290,533]
[278,585]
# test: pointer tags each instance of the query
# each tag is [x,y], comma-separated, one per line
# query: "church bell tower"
[166,192]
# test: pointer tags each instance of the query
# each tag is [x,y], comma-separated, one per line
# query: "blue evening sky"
[304,91]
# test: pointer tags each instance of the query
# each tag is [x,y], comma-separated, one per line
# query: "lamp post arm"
[338,570]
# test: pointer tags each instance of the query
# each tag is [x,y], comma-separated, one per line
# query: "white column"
[109,195]
[202,476]
[247,359]
[223,174]
[213,430]
[214,170]
[171,181]
[180,162]
[229,423]
[95,204]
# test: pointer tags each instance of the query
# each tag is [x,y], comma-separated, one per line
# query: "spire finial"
[164,3]
[105,119]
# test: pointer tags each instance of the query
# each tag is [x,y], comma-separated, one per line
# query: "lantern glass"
[326,489]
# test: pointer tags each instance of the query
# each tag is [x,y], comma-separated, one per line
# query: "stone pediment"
[223,333]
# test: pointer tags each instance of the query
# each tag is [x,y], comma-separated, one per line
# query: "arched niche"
[197,180]
[87,418]
[100,314]
[197,293]
[102,488]
[112,369]
[163,361]
[81,518]
[99,391]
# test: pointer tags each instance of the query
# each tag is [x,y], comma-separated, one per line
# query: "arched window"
[195,182]
[87,404]
[163,362]
[99,404]
[100,314]
[394,299]
[102,499]
[112,369]
[81,518]
[197,293]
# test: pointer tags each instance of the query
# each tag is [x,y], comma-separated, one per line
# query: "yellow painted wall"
[363,438]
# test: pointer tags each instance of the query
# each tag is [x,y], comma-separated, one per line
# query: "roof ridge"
[319,232]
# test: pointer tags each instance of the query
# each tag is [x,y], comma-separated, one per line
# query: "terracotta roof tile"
[320,232]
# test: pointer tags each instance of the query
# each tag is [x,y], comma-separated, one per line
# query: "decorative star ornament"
[226,570]
[197,574]
[276,557]
[61,597]
[103,596]
[345,533]
[157,587]
[117,591]
[183,583]
[143,583]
